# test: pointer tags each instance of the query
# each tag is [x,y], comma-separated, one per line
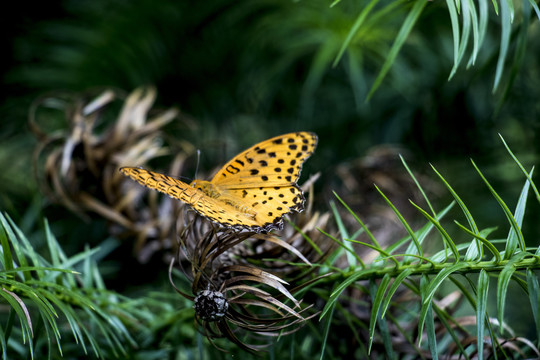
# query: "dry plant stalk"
[243,282]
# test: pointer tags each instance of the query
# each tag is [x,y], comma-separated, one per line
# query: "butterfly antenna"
[198,161]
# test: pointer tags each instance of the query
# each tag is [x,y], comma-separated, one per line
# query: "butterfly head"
[206,187]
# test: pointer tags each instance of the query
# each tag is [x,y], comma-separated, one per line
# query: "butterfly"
[252,191]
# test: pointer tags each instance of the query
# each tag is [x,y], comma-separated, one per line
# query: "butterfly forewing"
[273,162]
[166,184]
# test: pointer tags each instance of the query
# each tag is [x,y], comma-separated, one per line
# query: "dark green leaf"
[506,26]
[512,241]
[474,252]
[411,174]
[481,310]
[535,7]
[357,24]
[513,223]
[446,238]
[428,292]
[399,279]
[532,285]
[404,222]
[327,324]
[483,240]
[7,260]
[430,323]
[398,43]
[502,285]
[377,296]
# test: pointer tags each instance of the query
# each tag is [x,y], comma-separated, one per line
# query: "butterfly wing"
[262,179]
[268,204]
[253,190]
[275,162]
[173,187]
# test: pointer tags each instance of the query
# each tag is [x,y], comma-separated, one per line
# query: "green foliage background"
[246,71]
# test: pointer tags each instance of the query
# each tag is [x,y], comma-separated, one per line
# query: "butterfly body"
[253,190]
[213,192]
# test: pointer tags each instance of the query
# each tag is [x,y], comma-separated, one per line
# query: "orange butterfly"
[253,190]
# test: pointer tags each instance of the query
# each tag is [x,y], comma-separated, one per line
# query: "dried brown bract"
[76,163]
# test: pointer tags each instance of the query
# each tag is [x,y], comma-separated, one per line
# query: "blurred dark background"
[245,71]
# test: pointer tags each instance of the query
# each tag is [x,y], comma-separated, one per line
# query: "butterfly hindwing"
[225,213]
[268,205]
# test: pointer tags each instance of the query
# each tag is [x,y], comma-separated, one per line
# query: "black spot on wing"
[232,170]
